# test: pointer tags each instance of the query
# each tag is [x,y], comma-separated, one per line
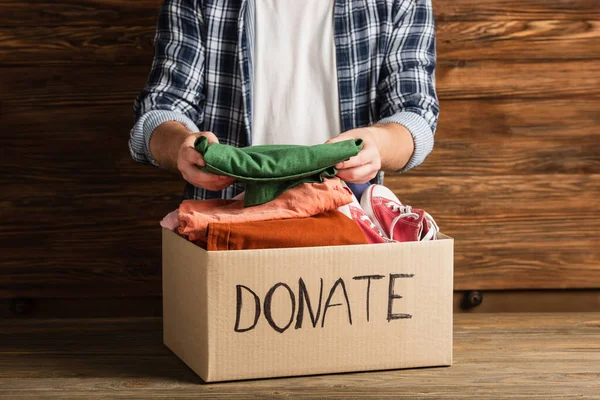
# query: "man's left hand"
[364,166]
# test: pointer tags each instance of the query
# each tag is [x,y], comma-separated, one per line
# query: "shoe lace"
[433,228]
[407,211]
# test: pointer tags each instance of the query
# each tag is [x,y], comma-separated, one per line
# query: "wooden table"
[496,356]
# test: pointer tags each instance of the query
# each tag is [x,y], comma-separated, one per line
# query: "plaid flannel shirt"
[202,73]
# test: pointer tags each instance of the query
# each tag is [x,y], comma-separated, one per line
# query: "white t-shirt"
[296,99]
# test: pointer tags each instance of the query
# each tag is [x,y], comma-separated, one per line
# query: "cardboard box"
[245,314]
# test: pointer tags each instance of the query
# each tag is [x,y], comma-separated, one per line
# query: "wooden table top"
[495,356]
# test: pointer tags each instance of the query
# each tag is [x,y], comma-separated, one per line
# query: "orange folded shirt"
[330,228]
[301,201]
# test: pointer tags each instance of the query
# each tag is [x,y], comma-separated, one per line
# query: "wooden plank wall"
[514,176]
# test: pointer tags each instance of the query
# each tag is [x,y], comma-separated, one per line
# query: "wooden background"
[514,176]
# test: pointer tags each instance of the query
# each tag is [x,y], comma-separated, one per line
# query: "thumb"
[339,138]
[192,156]
[211,137]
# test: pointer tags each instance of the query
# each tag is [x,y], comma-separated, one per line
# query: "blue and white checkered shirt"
[202,73]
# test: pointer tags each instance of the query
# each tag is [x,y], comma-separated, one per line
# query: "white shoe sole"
[366,198]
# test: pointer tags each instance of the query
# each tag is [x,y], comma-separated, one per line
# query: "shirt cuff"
[421,133]
[139,142]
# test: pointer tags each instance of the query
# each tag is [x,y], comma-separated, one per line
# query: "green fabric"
[270,170]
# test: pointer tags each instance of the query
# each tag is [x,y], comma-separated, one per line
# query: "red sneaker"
[356,213]
[397,221]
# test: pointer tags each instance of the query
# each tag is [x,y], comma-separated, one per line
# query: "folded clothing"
[270,170]
[329,228]
[302,201]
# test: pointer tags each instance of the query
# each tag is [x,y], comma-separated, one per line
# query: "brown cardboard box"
[279,312]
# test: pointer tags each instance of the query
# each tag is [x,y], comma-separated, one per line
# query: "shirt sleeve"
[174,91]
[406,89]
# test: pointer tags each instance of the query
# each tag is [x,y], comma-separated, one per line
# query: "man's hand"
[364,166]
[188,158]
[172,146]
[385,146]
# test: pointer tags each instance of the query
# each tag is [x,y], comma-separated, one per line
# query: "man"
[249,72]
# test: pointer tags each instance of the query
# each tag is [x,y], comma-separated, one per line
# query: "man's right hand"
[188,158]
[172,146]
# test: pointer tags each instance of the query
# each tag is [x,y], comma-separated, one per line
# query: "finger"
[339,138]
[365,156]
[369,154]
[197,176]
[353,162]
[217,186]
[201,178]
[212,138]
[361,174]
[213,185]
[192,156]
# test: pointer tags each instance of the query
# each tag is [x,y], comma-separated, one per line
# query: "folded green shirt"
[270,170]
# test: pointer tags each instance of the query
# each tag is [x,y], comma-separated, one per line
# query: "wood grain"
[82,13]
[510,39]
[103,13]
[494,301]
[516,137]
[513,177]
[73,145]
[486,10]
[514,232]
[494,79]
[86,239]
[68,45]
[527,301]
[490,137]
[87,307]
[64,86]
[528,356]
[79,217]
[505,237]
[101,85]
